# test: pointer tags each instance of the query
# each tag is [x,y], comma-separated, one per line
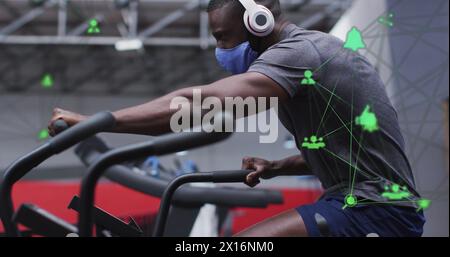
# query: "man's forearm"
[294,165]
[152,118]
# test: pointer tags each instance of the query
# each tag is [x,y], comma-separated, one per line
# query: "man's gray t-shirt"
[344,86]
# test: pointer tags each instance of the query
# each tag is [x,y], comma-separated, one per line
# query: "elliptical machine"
[163,145]
[49,225]
[67,138]
[187,201]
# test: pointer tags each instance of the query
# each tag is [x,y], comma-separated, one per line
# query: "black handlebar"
[164,145]
[91,149]
[218,176]
[238,176]
[100,122]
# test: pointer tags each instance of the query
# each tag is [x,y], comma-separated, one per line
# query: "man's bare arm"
[154,117]
[293,165]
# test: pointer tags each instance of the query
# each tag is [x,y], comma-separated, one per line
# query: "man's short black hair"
[217,4]
[272,5]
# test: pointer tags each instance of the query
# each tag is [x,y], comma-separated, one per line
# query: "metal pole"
[62,18]
[204,24]
[133,19]
[24,19]
[172,17]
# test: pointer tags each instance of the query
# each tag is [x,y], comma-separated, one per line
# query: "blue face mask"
[236,60]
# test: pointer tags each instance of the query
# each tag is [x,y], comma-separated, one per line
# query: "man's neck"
[275,36]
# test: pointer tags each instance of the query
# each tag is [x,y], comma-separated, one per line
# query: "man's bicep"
[250,84]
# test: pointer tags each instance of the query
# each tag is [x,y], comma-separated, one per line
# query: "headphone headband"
[249,4]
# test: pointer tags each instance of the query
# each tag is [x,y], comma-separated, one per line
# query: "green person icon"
[93,27]
[321,144]
[308,80]
[306,143]
[313,140]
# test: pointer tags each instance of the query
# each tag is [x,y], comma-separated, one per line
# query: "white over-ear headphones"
[257,18]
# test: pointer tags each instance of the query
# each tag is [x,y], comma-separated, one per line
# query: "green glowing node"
[308,80]
[350,201]
[367,120]
[47,81]
[93,27]
[387,20]
[43,134]
[395,192]
[313,143]
[423,204]
[354,40]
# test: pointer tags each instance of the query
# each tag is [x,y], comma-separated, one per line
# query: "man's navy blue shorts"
[362,220]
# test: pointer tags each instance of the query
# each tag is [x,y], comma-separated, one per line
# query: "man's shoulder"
[292,51]
[303,39]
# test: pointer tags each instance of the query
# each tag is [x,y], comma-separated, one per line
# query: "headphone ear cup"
[270,24]
[257,30]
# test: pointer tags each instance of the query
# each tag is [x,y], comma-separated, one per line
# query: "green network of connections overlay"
[367,121]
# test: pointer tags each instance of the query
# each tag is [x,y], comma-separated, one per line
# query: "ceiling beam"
[26,18]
